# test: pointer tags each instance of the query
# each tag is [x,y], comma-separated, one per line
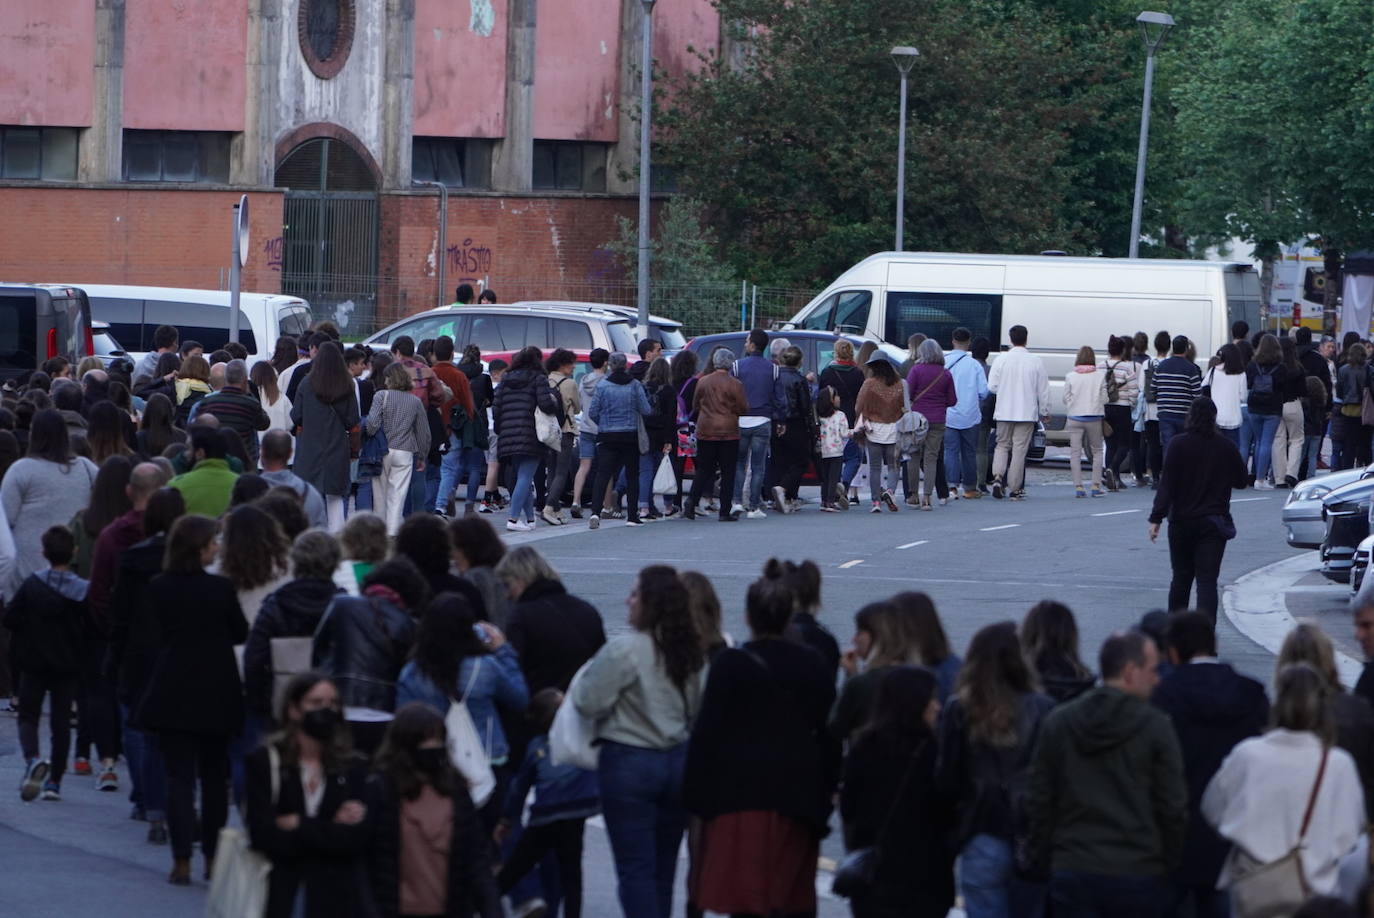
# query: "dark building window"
[568,165]
[47,154]
[325,29]
[457,163]
[176,156]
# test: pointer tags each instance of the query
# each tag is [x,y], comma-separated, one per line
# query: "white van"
[134,313]
[1064,303]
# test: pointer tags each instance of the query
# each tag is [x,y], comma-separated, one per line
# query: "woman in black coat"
[889,799]
[761,768]
[553,631]
[523,389]
[324,410]
[194,699]
[416,781]
[310,817]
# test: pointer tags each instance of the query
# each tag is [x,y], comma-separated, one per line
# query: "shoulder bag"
[547,429]
[1279,888]
[855,875]
[913,427]
[465,748]
[238,879]
[572,737]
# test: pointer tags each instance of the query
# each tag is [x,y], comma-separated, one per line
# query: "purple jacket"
[938,398]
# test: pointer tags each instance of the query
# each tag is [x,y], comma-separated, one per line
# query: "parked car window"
[820,318]
[125,318]
[572,335]
[851,312]
[430,327]
[18,331]
[522,331]
[293,320]
[670,336]
[622,339]
[485,334]
[937,315]
[196,322]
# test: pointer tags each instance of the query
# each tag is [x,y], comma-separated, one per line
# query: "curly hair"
[254,547]
[664,615]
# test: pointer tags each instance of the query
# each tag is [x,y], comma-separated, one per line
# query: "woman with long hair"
[844,376]
[1085,400]
[1290,782]
[661,425]
[881,640]
[986,736]
[285,354]
[1125,386]
[879,408]
[1288,439]
[932,394]
[890,801]
[1225,384]
[192,385]
[704,605]
[109,501]
[194,699]
[158,430]
[925,634]
[307,807]
[324,411]
[683,380]
[430,853]
[1266,379]
[400,416]
[477,549]
[523,390]
[253,555]
[273,399]
[643,689]
[1049,640]
[1197,500]
[48,487]
[1350,440]
[105,432]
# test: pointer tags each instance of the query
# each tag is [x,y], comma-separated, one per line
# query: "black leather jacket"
[362,643]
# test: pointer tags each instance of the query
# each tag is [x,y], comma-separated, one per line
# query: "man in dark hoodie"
[1213,708]
[1313,363]
[1107,799]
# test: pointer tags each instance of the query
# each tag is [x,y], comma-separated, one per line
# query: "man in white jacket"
[1022,386]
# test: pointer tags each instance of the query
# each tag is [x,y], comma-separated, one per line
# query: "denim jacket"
[618,404]
[499,683]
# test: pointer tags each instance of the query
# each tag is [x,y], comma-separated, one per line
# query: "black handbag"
[858,871]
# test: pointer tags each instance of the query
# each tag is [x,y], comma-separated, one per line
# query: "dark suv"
[38,321]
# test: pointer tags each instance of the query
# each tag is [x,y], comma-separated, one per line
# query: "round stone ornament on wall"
[325,29]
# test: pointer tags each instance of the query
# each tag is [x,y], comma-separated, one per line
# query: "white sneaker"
[594,522]
[757,514]
[780,500]
[1263,486]
[737,508]
[514,526]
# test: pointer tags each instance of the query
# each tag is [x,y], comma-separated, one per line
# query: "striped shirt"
[1177,381]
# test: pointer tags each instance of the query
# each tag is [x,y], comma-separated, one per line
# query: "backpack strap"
[1316,788]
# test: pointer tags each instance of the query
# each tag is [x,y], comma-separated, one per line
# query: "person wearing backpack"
[932,393]
[1266,378]
[1122,387]
[560,368]
[794,437]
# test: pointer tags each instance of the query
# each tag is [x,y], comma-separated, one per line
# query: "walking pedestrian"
[1288,439]
[46,488]
[275,455]
[1289,791]
[644,689]
[156,432]
[272,399]
[933,393]
[364,545]
[987,735]
[429,854]
[1049,638]
[761,768]
[618,407]
[477,549]
[553,632]
[325,409]
[208,484]
[524,390]
[1154,451]
[834,437]
[804,580]
[766,407]
[308,808]
[683,379]
[890,802]
[1108,801]
[194,698]
[879,643]
[1353,381]
[465,416]
[794,436]
[661,426]
[964,419]
[1022,387]
[424,540]
[560,366]
[1198,504]
[1226,385]
[402,421]
[1212,708]
[1122,388]
[236,409]
[719,402]
[586,429]
[1085,400]
[253,555]
[1176,382]
[879,407]
[1266,379]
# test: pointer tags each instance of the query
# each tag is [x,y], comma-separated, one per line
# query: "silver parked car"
[1302,513]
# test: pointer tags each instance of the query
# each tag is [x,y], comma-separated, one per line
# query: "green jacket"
[206,488]
[1107,790]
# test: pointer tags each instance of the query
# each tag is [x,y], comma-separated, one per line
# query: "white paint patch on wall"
[603,47]
[483,17]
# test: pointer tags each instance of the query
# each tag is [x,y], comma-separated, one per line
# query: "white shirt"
[1021,384]
[1228,391]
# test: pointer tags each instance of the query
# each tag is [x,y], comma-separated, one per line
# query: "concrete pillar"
[622,172]
[397,110]
[101,152]
[252,155]
[512,162]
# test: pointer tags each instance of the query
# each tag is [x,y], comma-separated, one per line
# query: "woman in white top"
[1225,383]
[1085,400]
[1125,386]
[1260,797]
[274,400]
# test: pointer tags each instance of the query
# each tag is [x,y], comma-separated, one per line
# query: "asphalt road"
[982,561]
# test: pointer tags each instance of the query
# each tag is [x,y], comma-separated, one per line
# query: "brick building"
[127,132]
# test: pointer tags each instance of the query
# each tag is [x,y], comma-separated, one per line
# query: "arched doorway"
[329,250]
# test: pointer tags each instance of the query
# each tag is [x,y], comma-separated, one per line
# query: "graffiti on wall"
[274,249]
[469,261]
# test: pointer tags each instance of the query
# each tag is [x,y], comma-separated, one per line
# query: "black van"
[38,321]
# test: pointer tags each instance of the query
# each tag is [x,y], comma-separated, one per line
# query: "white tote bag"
[290,657]
[465,748]
[572,736]
[239,877]
[548,430]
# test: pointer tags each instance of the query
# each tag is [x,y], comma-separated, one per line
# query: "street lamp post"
[1153,28]
[904,57]
[646,103]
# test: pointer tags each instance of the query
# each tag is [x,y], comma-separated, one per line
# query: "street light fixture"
[646,103]
[1153,28]
[904,57]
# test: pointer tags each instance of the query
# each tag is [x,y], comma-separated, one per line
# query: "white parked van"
[1064,302]
[134,313]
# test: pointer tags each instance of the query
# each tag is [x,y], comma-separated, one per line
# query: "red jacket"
[457,382]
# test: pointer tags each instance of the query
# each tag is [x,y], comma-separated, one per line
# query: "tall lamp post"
[904,56]
[1153,28]
[646,111]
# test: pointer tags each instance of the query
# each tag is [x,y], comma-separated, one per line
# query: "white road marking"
[849,564]
[1246,500]
[995,528]
[914,544]
[1117,512]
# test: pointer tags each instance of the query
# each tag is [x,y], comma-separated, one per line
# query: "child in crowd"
[834,433]
[46,616]
[564,796]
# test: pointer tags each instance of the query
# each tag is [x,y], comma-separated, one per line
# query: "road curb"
[1254,604]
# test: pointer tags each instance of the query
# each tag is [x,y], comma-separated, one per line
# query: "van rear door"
[18,331]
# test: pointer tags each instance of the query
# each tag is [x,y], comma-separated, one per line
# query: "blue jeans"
[1168,426]
[853,458]
[648,467]
[456,461]
[146,770]
[961,457]
[1076,894]
[1259,436]
[522,495]
[1311,454]
[987,879]
[641,799]
[753,454]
